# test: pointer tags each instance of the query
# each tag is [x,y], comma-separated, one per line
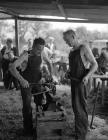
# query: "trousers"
[79,105]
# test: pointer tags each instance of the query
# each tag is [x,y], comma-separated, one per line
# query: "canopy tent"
[91,11]
[86,11]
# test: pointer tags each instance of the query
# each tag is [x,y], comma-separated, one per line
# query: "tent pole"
[16,36]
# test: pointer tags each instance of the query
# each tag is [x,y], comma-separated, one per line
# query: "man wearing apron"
[30,67]
[79,58]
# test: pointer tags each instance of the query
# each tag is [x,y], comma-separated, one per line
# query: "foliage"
[59,42]
[6,30]
[31,29]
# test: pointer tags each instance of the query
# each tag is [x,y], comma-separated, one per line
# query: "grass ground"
[11,117]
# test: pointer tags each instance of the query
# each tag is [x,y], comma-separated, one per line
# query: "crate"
[50,126]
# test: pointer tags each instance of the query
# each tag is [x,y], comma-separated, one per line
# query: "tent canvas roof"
[93,11]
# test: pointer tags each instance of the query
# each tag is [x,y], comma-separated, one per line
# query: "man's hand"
[67,74]
[50,78]
[24,83]
[85,80]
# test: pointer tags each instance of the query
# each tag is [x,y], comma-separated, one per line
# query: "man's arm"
[47,60]
[93,64]
[13,69]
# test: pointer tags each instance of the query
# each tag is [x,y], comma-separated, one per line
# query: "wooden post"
[16,36]
[103,89]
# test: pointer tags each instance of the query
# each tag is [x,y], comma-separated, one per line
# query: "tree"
[30,30]
[82,34]
[6,30]
[58,36]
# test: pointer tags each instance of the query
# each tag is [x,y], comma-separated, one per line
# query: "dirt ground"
[11,117]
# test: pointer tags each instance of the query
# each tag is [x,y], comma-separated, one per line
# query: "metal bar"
[62,20]
[32,84]
[41,92]
[61,9]
[102,91]
[94,107]
[16,35]
[6,18]
[8,12]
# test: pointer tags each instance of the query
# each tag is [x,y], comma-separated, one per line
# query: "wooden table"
[103,78]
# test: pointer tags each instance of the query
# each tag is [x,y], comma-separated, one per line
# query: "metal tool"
[94,106]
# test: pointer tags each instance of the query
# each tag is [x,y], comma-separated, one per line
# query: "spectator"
[95,52]
[103,60]
[8,55]
[50,44]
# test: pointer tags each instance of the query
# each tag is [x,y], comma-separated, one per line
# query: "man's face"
[38,49]
[9,44]
[69,39]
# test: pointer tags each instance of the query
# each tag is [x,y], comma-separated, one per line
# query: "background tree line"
[29,30]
